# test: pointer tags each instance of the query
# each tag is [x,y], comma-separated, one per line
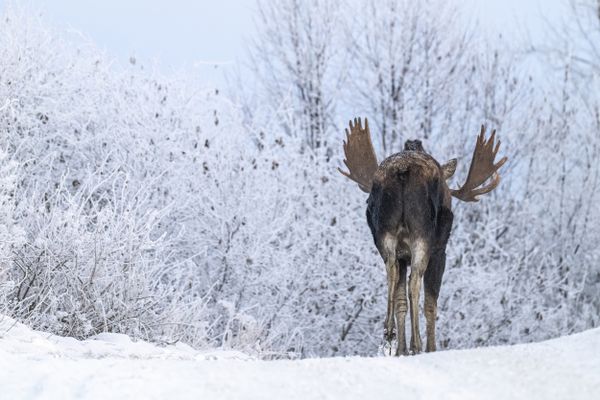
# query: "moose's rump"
[406,196]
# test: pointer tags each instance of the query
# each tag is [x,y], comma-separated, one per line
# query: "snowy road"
[36,366]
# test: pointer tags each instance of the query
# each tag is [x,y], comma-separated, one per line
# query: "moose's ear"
[449,168]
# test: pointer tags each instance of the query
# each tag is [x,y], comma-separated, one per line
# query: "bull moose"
[409,212]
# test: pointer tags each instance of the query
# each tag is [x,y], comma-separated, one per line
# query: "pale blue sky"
[173,31]
[185,33]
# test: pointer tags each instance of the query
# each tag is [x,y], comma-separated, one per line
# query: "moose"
[409,213]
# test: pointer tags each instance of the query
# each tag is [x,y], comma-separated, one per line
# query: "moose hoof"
[430,348]
[389,335]
[401,351]
[415,346]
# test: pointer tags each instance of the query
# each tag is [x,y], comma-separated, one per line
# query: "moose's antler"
[482,167]
[360,155]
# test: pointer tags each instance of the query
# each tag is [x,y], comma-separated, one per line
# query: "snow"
[36,365]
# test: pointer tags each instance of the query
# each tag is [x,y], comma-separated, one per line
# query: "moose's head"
[412,145]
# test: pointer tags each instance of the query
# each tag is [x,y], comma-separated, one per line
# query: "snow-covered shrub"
[137,203]
[149,208]
[96,191]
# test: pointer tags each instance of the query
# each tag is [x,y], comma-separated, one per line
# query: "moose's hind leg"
[401,307]
[392,280]
[388,253]
[418,266]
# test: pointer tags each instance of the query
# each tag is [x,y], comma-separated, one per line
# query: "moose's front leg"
[435,271]
[433,281]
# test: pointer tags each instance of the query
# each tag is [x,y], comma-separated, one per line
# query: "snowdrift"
[36,365]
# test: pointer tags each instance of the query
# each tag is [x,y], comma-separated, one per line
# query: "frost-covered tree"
[295,62]
[407,61]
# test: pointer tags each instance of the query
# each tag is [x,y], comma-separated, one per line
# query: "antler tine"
[360,160]
[473,195]
[481,169]
[491,139]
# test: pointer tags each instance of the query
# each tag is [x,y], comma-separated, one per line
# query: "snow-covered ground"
[35,365]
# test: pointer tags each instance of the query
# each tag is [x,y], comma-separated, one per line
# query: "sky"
[181,34]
